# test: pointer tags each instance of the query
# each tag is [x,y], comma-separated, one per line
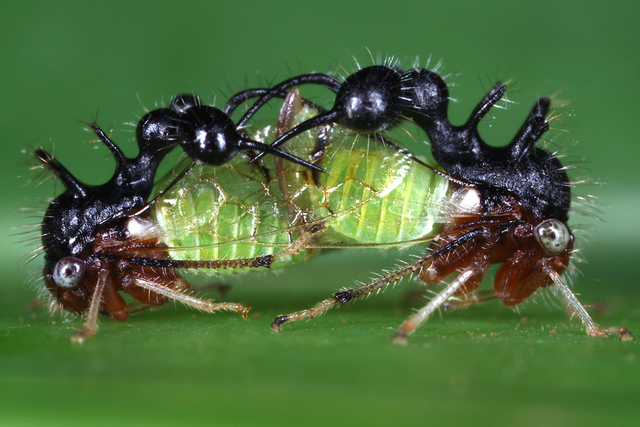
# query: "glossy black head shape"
[209,136]
[367,101]
[535,176]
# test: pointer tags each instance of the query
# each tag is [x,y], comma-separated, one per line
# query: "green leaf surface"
[483,365]
[173,365]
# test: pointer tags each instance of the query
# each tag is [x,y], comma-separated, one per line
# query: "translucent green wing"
[232,211]
[374,194]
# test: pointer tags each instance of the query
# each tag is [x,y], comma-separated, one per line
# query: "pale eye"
[68,272]
[553,236]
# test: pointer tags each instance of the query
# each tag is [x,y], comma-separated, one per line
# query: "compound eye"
[68,272]
[553,236]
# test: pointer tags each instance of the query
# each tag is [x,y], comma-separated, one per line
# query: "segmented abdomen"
[228,212]
[372,194]
[379,194]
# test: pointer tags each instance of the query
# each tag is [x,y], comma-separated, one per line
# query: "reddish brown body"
[112,252]
[507,238]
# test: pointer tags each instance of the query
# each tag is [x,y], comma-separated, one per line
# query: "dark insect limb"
[234,102]
[263,261]
[368,101]
[313,78]
[347,295]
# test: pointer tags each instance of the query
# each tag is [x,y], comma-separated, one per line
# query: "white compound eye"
[68,272]
[553,236]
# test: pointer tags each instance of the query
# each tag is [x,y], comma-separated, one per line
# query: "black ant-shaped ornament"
[99,240]
[209,136]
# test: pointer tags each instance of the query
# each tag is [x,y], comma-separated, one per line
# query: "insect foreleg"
[414,321]
[91,325]
[578,308]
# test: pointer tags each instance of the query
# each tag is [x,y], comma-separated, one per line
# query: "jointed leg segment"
[578,308]
[345,296]
[414,321]
[91,325]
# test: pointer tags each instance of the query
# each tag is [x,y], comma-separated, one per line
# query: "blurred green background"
[486,365]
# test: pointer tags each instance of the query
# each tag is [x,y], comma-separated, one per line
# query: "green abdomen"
[380,195]
[225,213]
[372,194]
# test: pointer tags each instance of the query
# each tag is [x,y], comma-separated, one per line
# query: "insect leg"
[234,102]
[347,295]
[191,301]
[414,321]
[261,261]
[578,308]
[299,244]
[91,325]
[474,297]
